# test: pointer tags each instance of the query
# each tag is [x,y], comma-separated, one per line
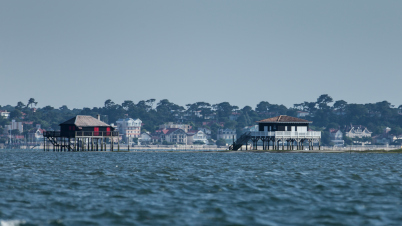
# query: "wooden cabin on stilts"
[81,133]
[275,132]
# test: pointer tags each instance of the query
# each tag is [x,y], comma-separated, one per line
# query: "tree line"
[324,112]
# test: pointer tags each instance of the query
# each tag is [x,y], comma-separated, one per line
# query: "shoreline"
[221,150]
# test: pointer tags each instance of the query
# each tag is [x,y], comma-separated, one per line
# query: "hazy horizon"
[81,53]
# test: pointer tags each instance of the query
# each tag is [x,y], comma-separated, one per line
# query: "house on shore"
[357,131]
[129,129]
[278,131]
[227,134]
[336,137]
[82,132]
[197,136]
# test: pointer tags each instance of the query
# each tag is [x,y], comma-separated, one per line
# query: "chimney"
[98,116]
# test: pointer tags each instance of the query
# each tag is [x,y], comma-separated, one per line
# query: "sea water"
[174,188]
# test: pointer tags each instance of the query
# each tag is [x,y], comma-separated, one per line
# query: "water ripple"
[46,188]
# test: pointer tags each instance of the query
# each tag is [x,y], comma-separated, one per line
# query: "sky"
[81,53]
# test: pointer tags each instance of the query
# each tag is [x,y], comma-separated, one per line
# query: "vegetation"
[324,112]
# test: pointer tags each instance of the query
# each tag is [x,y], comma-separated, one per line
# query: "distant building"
[129,128]
[357,131]
[301,114]
[196,135]
[4,114]
[336,137]
[385,138]
[36,134]
[169,125]
[206,131]
[15,125]
[227,134]
[145,138]
[174,135]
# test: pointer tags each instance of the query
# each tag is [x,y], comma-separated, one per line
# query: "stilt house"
[78,132]
[279,131]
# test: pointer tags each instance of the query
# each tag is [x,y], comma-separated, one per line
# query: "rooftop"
[84,121]
[284,118]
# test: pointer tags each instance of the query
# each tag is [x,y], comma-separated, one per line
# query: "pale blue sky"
[80,53]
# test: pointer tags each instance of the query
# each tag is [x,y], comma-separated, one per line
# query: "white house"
[36,134]
[4,114]
[174,135]
[145,138]
[129,128]
[336,137]
[206,131]
[357,131]
[226,134]
[196,135]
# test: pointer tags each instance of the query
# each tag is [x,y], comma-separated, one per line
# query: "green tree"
[20,106]
[221,142]
[262,107]
[348,140]
[224,110]
[31,101]
[340,105]
[16,114]
[127,105]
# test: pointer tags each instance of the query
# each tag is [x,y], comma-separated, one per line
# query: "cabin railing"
[81,134]
[285,134]
[262,134]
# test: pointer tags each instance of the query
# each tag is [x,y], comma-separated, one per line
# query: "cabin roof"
[284,119]
[84,121]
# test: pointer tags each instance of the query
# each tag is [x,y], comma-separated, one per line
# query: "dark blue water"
[47,188]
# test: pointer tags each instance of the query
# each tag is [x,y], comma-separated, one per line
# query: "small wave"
[11,222]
